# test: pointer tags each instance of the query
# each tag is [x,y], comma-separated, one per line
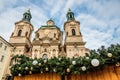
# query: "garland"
[93,61]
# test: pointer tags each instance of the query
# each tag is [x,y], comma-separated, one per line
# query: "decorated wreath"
[95,60]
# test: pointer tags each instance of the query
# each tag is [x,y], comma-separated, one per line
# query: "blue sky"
[100,19]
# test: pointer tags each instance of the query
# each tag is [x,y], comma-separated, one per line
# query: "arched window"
[70,16]
[45,50]
[67,33]
[44,56]
[26,34]
[1,44]
[73,32]
[54,35]
[19,32]
[54,50]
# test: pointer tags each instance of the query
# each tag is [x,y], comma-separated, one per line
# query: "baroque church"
[48,40]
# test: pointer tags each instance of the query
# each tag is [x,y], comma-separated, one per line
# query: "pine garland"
[96,60]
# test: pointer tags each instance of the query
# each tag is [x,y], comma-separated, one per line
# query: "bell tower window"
[73,32]
[26,34]
[54,35]
[19,32]
[70,15]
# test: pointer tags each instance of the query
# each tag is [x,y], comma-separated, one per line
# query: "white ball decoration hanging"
[46,69]
[54,70]
[87,57]
[19,74]
[41,72]
[83,68]
[109,54]
[19,68]
[45,61]
[35,62]
[26,68]
[39,64]
[74,62]
[59,59]
[68,70]
[95,62]
[31,68]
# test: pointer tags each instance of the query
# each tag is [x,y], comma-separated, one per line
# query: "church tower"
[21,36]
[74,44]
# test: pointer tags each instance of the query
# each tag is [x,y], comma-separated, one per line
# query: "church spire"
[27,16]
[70,15]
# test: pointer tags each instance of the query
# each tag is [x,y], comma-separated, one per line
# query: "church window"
[73,32]
[54,35]
[26,34]
[5,48]
[19,32]
[1,44]
[54,50]
[67,33]
[45,50]
[2,57]
[70,16]
[37,35]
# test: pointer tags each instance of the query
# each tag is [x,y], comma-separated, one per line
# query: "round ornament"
[87,57]
[68,70]
[95,62]
[45,61]
[19,68]
[31,68]
[83,68]
[19,74]
[39,64]
[59,59]
[26,68]
[41,72]
[46,69]
[30,72]
[54,70]
[109,55]
[74,62]
[35,62]
[117,64]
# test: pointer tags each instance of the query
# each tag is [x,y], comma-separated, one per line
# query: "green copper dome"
[70,15]
[27,16]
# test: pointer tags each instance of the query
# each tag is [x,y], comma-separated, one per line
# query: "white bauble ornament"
[54,70]
[74,62]
[19,74]
[95,62]
[46,69]
[31,68]
[26,68]
[45,61]
[30,72]
[35,62]
[68,70]
[59,59]
[83,68]
[41,72]
[117,64]
[19,68]
[87,57]
[109,54]
[39,64]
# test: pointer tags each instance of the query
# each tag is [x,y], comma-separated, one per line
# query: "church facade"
[48,40]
